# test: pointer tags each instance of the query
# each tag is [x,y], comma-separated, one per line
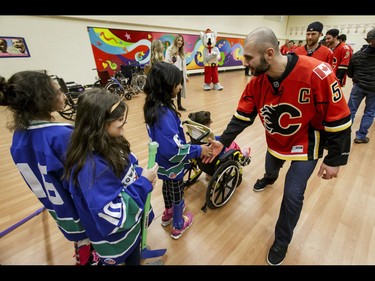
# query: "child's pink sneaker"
[167,217]
[188,221]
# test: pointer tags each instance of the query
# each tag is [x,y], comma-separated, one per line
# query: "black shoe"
[276,254]
[181,108]
[261,184]
[365,140]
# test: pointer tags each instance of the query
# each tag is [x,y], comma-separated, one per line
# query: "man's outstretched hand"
[217,147]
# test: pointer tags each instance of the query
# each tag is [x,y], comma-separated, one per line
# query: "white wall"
[61,45]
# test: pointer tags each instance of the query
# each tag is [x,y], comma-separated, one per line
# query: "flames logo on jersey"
[272,116]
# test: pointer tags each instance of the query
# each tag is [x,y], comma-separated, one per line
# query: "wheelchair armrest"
[226,154]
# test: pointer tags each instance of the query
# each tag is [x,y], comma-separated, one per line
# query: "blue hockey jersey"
[39,153]
[111,208]
[173,152]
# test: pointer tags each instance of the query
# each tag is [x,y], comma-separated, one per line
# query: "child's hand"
[206,150]
[151,174]
[216,147]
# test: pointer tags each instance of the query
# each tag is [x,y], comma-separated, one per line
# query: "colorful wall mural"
[113,47]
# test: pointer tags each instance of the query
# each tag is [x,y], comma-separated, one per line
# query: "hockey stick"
[147,253]
[21,222]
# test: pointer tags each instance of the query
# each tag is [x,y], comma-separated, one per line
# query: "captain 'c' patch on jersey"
[322,70]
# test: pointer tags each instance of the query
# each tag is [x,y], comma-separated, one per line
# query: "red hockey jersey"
[294,110]
[321,53]
[341,58]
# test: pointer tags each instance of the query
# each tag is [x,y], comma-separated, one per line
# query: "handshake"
[206,150]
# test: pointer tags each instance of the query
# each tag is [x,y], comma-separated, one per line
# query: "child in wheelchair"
[224,174]
[204,118]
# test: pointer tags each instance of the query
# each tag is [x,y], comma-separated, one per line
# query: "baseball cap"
[370,35]
[315,26]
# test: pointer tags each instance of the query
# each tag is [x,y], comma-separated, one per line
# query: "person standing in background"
[313,48]
[341,55]
[284,48]
[175,54]
[157,54]
[290,47]
[342,38]
[38,149]
[362,71]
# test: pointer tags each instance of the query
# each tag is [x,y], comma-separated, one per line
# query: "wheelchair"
[71,90]
[117,84]
[225,170]
[135,75]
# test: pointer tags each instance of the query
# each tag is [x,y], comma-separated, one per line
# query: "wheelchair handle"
[201,137]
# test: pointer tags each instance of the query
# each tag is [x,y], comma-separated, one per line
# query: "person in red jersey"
[290,47]
[284,48]
[302,108]
[342,38]
[313,48]
[341,55]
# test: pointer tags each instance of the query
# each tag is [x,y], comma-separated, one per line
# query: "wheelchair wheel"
[69,110]
[138,82]
[114,88]
[129,92]
[192,173]
[222,184]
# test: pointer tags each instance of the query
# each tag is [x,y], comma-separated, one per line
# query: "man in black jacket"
[362,71]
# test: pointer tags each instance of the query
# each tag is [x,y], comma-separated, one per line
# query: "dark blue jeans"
[356,96]
[294,188]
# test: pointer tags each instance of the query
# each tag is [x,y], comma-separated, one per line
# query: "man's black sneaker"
[276,254]
[261,184]
[365,140]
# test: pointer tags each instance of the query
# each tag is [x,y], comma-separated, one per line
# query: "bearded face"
[19,45]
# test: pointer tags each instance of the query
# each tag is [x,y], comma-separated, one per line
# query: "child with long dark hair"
[38,149]
[164,126]
[108,187]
